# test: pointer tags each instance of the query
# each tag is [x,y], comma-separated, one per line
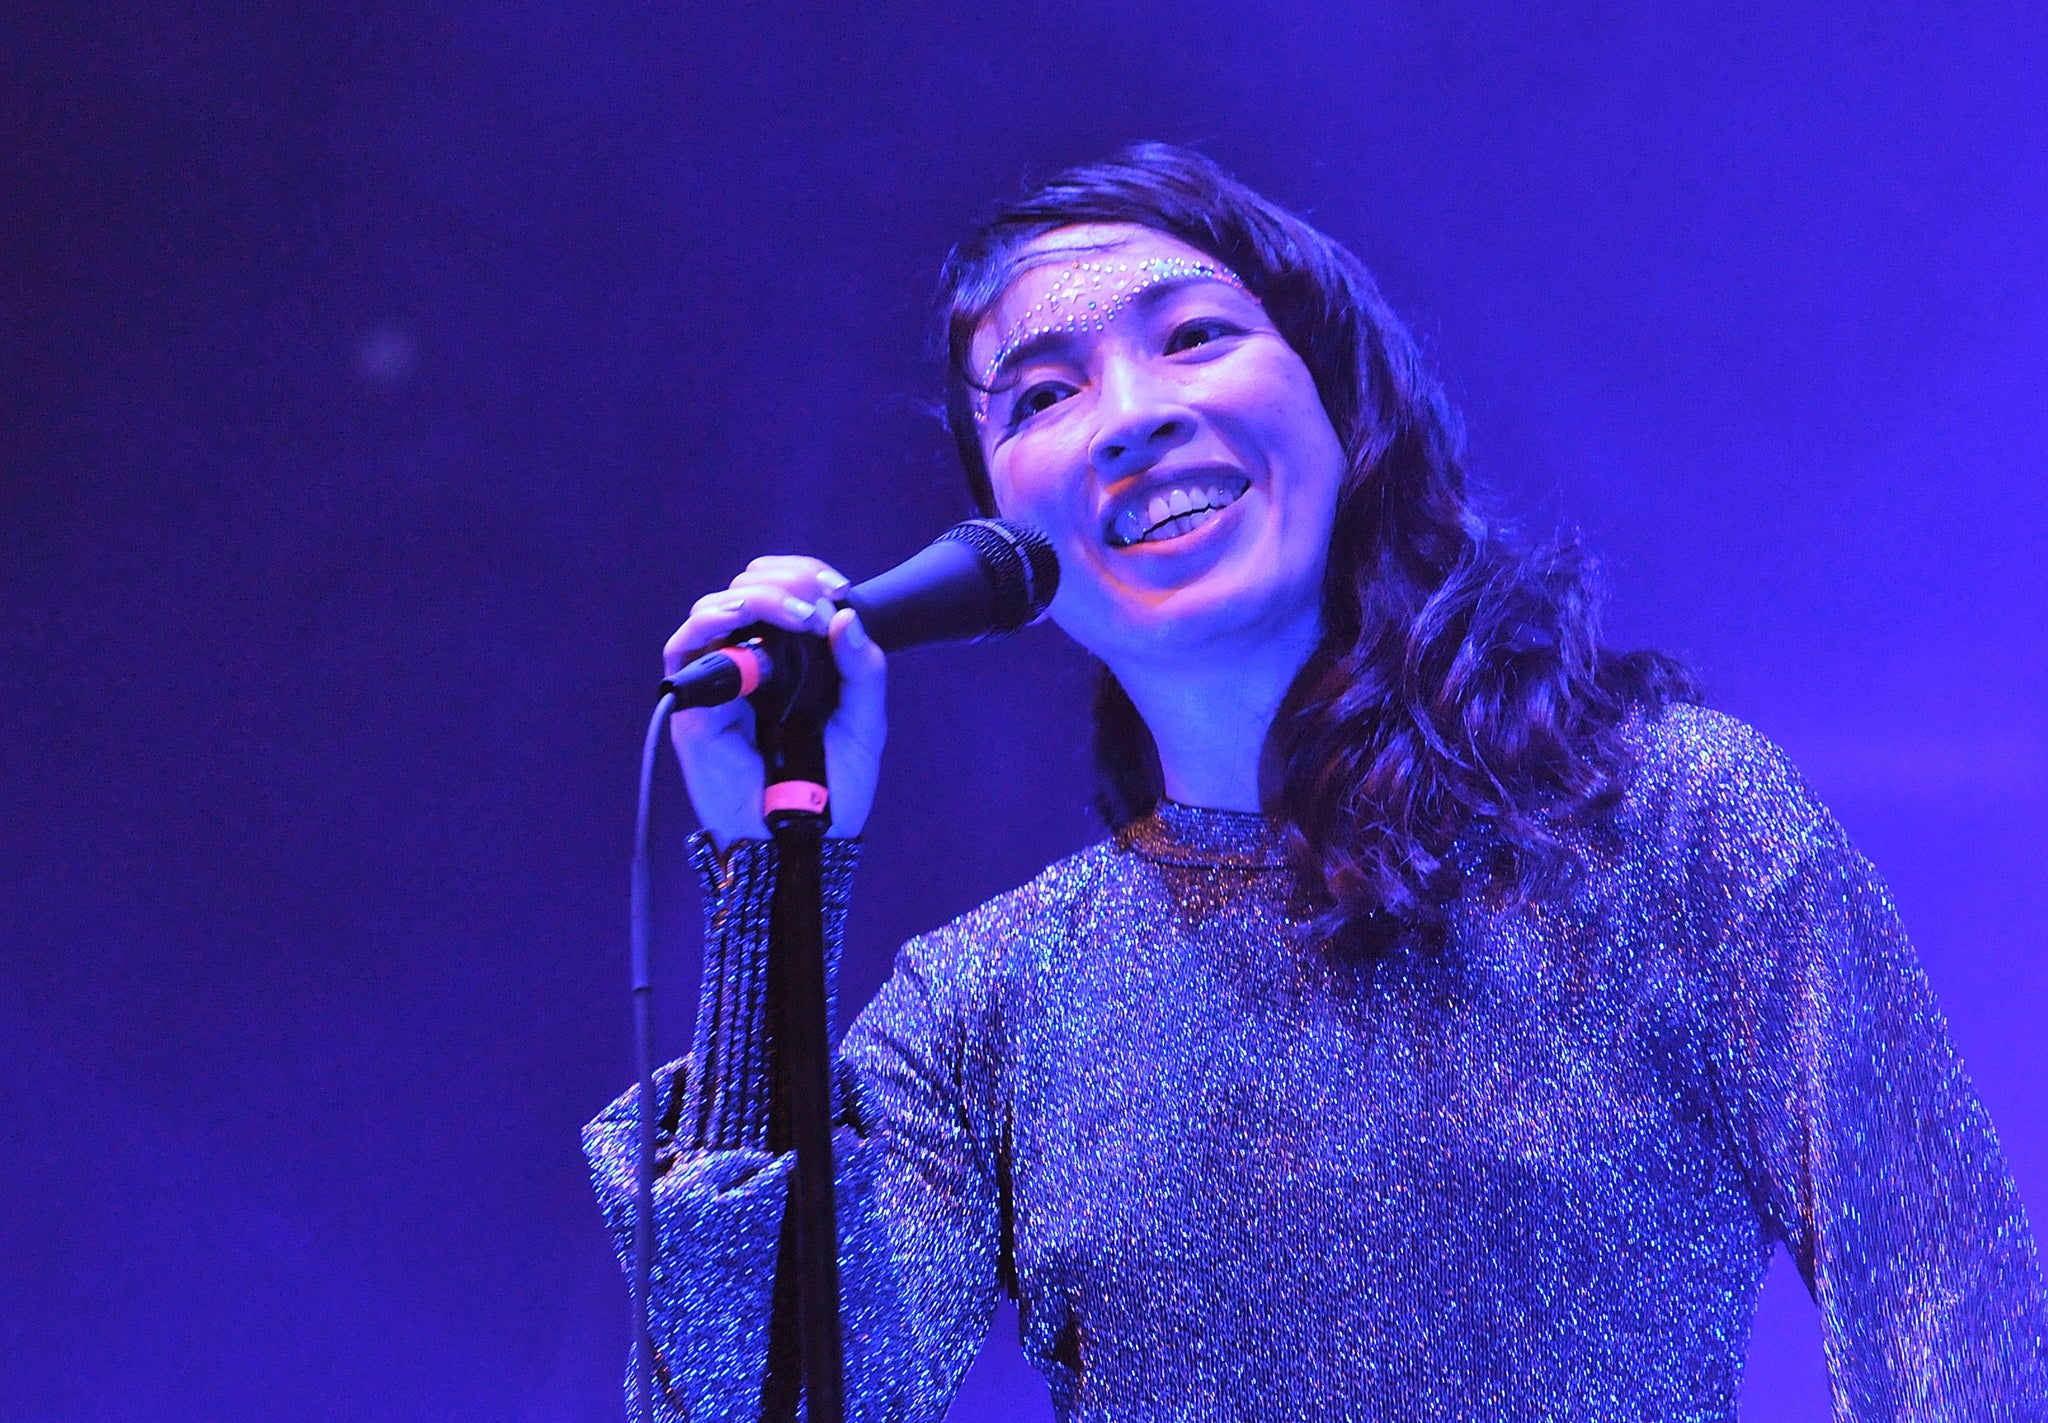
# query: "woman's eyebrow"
[1031,348]
[1053,338]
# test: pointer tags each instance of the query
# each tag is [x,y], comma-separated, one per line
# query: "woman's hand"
[716,744]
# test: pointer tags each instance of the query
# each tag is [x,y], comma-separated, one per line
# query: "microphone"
[979,579]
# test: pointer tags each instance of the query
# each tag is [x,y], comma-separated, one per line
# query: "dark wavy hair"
[1459,715]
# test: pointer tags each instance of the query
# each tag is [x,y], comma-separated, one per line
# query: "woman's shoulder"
[972,952]
[1710,792]
[1686,749]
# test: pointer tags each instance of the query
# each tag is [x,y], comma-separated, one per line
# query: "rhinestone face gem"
[1087,296]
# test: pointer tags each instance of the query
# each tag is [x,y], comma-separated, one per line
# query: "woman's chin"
[1219,614]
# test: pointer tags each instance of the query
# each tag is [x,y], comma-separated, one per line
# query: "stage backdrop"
[382,381]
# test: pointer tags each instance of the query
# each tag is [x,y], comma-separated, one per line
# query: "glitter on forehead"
[1087,295]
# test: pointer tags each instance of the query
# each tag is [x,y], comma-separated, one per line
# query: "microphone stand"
[979,578]
[790,711]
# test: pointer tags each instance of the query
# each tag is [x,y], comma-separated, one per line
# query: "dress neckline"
[1176,834]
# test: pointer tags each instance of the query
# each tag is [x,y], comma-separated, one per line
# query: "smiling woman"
[1457,1016]
[1138,406]
[1398,672]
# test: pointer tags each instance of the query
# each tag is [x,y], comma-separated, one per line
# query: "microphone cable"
[643,1056]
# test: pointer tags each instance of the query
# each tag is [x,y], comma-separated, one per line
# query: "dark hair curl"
[1459,713]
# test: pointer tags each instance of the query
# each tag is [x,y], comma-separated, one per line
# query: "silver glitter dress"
[1534,1174]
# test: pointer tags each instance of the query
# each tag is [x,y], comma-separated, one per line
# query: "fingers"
[716,744]
[784,590]
[863,669]
[860,726]
[806,578]
[717,616]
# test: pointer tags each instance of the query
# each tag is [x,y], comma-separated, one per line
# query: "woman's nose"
[1138,425]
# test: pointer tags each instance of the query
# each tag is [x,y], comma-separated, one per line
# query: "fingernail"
[856,636]
[832,583]
[799,609]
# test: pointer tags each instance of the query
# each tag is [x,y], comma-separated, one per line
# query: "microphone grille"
[1022,569]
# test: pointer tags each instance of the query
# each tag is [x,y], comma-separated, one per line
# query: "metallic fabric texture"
[1534,1172]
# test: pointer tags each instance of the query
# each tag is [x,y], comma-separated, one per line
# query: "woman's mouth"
[1172,511]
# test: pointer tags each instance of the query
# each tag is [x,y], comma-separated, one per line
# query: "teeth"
[1172,513]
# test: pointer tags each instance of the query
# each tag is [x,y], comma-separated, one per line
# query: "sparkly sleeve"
[924,1063]
[1867,1150]
[720,1194]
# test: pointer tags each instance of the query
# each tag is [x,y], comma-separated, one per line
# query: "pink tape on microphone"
[795,795]
[749,663]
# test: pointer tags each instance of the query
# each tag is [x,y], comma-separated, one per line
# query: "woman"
[1457,1015]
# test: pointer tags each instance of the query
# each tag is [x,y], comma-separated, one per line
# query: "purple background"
[382,381]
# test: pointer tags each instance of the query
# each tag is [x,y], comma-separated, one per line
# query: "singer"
[1457,1013]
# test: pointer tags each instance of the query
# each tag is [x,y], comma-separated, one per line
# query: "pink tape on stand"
[795,795]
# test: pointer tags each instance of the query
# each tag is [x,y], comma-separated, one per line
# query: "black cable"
[643,1052]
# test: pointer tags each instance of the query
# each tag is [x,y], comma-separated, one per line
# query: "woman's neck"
[1209,717]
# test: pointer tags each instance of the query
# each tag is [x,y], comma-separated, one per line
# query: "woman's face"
[1145,414]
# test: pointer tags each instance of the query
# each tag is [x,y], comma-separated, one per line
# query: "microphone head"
[979,579]
[1023,572]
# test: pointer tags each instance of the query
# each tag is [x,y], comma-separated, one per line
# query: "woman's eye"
[1191,334]
[1042,396]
